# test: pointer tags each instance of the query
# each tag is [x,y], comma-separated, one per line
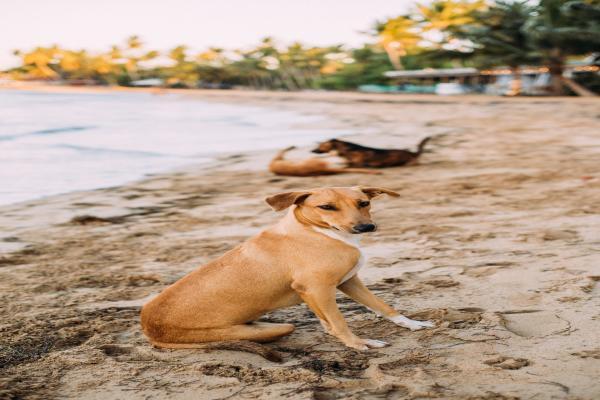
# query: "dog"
[370,157]
[305,257]
[310,167]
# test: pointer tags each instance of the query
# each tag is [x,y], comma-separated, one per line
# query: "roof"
[148,82]
[432,73]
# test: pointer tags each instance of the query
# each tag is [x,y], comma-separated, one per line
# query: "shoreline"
[234,95]
[211,159]
[493,237]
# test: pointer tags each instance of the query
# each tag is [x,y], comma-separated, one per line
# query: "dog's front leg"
[356,290]
[321,300]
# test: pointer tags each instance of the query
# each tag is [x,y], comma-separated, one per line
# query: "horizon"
[196,25]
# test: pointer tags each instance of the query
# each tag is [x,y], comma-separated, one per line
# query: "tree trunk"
[556,85]
[516,84]
[287,81]
[556,69]
[577,88]
[394,56]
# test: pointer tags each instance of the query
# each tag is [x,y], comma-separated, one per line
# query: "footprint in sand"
[494,396]
[569,299]
[595,354]
[125,352]
[556,234]
[507,362]
[114,350]
[415,282]
[590,285]
[534,323]
[408,361]
[93,220]
[487,268]
[462,318]
[441,283]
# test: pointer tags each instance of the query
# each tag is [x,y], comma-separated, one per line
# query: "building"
[534,80]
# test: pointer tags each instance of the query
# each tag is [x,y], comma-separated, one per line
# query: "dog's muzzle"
[362,228]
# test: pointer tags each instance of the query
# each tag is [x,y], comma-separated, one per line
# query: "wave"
[54,131]
[103,150]
[44,132]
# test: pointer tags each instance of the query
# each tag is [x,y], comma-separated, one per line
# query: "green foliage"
[498,37]
[367,67]
[566,27]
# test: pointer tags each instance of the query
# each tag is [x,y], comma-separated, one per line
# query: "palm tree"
[561,29]
[214,56]
[183,73]
[37,62]
[498,38]
[178,54]
[398,37]
[443,15]
[440,19]
[134,42]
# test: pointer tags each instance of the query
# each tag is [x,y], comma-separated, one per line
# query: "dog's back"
[363,156]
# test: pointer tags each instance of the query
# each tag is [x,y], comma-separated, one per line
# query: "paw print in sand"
[507,362]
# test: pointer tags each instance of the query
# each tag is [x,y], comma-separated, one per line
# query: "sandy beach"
[496,238]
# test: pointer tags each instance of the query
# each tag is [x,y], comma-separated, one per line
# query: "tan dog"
[309,167]
[306,256]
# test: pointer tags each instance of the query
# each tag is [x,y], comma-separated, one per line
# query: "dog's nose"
[361,228]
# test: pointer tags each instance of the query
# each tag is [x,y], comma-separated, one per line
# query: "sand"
[496,237]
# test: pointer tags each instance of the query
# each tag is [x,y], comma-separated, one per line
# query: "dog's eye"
[327,207]
[363,203]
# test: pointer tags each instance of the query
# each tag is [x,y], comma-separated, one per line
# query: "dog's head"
[326,147]
[342,209]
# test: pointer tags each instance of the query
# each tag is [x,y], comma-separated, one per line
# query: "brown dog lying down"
[306,256]
[310,167]
[362,156]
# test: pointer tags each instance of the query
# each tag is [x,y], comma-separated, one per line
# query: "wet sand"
[496,237]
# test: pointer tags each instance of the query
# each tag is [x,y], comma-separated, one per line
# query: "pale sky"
[162,24]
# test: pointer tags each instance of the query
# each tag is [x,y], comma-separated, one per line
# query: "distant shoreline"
[227,95]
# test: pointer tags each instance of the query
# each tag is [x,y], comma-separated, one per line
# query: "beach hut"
[535,80]
[439,81]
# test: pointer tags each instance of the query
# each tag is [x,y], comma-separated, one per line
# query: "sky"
[163,24]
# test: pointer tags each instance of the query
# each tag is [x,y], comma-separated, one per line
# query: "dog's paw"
[366,344]
[411,324]
[375,344]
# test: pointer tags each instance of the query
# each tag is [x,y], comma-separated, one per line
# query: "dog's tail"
[422,144]
[280,156]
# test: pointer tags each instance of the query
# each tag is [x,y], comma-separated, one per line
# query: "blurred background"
[445,47]
[53,140]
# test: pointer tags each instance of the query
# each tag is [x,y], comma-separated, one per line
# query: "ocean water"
[55,143]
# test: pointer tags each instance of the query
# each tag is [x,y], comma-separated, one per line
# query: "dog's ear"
[373,192]
[281,201]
